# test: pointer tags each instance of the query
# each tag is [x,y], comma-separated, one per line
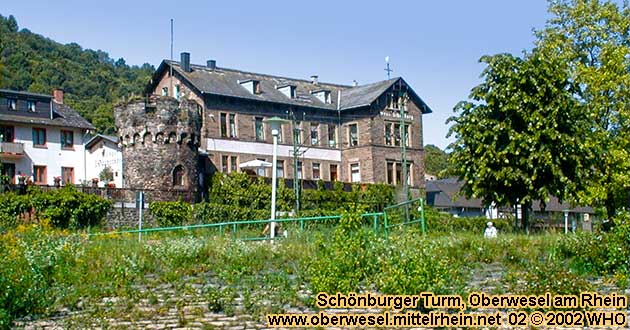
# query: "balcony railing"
[12,148]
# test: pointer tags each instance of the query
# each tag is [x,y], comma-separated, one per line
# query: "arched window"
[179,175]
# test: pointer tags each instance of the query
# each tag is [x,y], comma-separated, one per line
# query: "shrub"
[69,208]
[168,214]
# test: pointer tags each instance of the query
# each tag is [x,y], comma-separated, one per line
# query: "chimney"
[212,64]
[58,95]
[185,62]
[314,79]
[355,83]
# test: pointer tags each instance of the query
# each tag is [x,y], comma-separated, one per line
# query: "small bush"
[168,214]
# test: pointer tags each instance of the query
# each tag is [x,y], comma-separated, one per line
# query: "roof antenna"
[387,68]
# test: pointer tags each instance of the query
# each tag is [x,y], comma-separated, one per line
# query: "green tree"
[518,138]
[91,79]
[436,162]
[593,37]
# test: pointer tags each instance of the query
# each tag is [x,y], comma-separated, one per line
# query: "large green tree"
[91,79]
[436,161]
[593,38]
[518,137]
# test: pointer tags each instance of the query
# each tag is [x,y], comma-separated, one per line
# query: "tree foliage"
[92,81]
[518,139]
[436,162]
[593,37]
[554,121]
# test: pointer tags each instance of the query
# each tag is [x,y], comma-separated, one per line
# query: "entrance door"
[8,169]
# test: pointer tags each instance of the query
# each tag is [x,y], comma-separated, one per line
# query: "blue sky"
[434,45]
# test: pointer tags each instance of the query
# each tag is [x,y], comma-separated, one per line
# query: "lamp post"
[276,126]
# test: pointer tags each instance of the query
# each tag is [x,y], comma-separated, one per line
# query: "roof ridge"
[205,68]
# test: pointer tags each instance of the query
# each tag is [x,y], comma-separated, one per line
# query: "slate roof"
[63,116]
[99,137]
[227,82]
[446,195]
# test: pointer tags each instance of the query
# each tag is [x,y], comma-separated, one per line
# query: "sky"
[434,45]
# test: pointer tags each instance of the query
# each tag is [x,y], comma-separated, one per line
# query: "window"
[39,174]
[229,164]
[232,118]
[353,135]
[333,172]
[12,104]
[164,91]
[252,86]
[177,90]
[394,173]
[332,136]
[394,101]
[39,136]
[67,175]
[397,134]
[390,173]
[316,172]
[178,176]
[407,135]
[280,169]
[259,128]
[299,170]
[7,133]
[314,134]
[261,170]
[8,169]
[355,172]
[67,139]
[297,132]
[323,96]
[223,123]
[233,164]
[224,164]
[288,91]
[393,134]
[30,106]
[389,134]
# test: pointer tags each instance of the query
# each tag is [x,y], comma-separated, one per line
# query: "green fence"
[407,213]
[237,226]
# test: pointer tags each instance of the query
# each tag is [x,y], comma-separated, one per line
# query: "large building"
[344,133]
[42,139]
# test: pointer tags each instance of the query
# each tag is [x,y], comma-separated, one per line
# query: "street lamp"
[276,126]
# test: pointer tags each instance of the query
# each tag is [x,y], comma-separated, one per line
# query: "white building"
[103,152]
[41,138]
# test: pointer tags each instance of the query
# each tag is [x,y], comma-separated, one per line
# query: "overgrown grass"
[45,269]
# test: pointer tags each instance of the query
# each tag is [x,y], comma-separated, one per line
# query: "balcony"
[11,149]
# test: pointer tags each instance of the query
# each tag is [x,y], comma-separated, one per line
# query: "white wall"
[102,154]
[52,155]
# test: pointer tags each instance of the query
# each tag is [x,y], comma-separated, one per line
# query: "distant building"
[103,152]
[344,133]
[41,138]
[444,195]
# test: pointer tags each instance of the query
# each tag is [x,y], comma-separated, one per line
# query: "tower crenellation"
[159,137]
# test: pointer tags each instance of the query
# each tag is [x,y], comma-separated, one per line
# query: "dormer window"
[287,90]
[323,96]
[12,104]
[30,105]
[252,86]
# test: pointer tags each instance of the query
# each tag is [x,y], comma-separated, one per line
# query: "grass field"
[116,280]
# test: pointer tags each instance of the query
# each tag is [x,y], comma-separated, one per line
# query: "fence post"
[375,223]
[385,225]
[234,230]
[302,224]
[424,225]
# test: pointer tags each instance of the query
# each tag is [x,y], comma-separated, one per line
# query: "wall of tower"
[160,141]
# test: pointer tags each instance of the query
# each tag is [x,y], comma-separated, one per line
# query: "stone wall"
[126,218]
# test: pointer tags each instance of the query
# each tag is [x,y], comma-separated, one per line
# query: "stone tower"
[160,140]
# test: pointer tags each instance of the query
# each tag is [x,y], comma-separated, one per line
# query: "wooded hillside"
[92,81]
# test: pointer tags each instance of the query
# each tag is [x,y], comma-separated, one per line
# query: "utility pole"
[402,104]
[296,157]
